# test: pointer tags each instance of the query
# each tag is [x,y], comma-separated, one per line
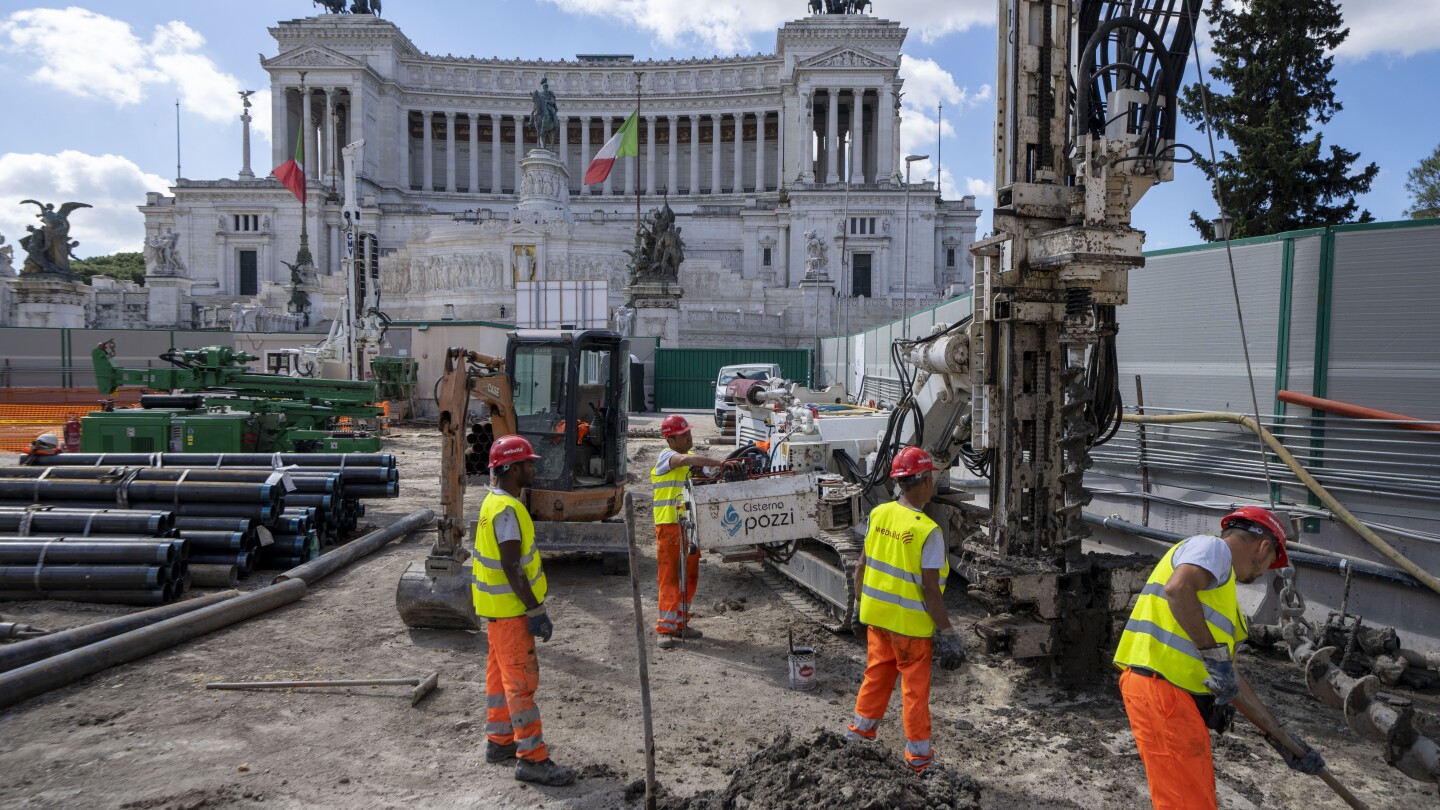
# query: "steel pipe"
[312,571]
[30,579]
[216,460]
[117,492]
[56,520]
[215,524]
[69,551]
[213,542]
[21,684]
[135,596]
[214,576]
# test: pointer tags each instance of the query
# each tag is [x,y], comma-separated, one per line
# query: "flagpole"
[303,258]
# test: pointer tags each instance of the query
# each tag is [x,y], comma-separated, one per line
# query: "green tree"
[1424,187]
[1274,58]
[122,266]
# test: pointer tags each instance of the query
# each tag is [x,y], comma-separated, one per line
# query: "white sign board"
[556,304]
[775,509]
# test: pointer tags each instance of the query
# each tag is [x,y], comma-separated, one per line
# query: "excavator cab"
[568,392]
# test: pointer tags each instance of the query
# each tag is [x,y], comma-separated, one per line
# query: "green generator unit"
[129,431]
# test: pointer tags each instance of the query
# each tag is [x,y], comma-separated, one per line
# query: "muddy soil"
[147,734]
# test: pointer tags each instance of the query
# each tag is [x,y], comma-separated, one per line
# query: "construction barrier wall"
[685,378]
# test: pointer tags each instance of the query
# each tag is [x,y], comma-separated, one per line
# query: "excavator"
[568,393]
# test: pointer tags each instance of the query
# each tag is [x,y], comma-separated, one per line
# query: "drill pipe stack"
[227,515]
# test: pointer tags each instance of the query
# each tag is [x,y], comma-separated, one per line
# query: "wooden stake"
[644,658]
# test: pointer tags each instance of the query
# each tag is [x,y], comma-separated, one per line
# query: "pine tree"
[1423,183]
[1274,58]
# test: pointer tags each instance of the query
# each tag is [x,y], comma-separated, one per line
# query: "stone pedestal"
[657,310]
[49,302]
[544,188]
[169,298]
[818,303]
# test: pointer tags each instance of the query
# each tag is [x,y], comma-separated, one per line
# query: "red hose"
[1356,411]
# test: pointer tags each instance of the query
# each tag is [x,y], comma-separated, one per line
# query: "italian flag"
[624,143]
[291,173]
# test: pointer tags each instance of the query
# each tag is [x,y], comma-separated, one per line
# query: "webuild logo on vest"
[762,515]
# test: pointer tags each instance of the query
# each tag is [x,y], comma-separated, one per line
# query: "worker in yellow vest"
[900,586]
[1178,656]
[671,471]
[509,590]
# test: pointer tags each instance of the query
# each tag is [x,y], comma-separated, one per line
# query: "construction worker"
[900,585]
[1178,656]
[46,444]
[509,592]
[672,470]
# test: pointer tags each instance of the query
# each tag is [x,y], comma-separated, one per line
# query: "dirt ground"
[147,735]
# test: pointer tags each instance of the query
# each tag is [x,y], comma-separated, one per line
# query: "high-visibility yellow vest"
[490,591]
[891,595]
[1154,640]
[669,490]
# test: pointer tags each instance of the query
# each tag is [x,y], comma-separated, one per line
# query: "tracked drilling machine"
[1018,393]
[568,393]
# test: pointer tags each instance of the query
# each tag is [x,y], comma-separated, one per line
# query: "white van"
[724,406]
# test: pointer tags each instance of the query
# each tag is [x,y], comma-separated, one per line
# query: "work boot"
[496,753]
[544,772]
[666,641]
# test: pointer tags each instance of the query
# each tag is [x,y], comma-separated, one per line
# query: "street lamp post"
[905,271]
[1223,224]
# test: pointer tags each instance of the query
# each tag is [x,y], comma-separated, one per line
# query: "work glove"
[1223,683]
[1310,764]
[540,625]
[951,649]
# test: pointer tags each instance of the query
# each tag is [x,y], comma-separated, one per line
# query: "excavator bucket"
[436,600]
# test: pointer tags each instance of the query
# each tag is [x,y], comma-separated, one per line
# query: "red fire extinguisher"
[72,435]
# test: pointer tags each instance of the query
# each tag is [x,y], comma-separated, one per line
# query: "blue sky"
[88,89]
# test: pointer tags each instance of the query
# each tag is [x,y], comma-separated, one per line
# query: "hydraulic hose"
[1249,423]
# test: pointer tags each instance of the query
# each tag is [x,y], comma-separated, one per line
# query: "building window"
[246,223]
[860,274]
[765,258]
[249,272]
[862,226]
[950,257]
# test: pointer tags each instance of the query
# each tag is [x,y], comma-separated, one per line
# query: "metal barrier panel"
[685,378]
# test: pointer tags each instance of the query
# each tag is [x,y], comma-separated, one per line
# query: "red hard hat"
[510,449]
[674,425]
[1259,520]
[911,461]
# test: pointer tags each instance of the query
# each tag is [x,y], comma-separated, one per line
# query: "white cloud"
[112,184]
[927,85]
[93,56]
[979,188]
[1403,27]
[737,26]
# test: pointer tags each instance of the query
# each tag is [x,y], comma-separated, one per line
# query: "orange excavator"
[568,393]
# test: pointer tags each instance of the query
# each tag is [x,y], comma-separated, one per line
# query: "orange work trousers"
[512,674]
[1173,741]
[890,655]
[674,615]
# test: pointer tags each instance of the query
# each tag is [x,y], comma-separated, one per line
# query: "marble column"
[738,183]
[672,175]
[885,134]
[328,128]
[760,150]
[585,156]
[427,182]
[715,183]
[694,154]
[496,186]
[450,152]
[307,125]
[650,155]
[519,148]
[780,148]
[857,126]
[474,144]
[404,149]
[609,188]
[832,135]
[563,137]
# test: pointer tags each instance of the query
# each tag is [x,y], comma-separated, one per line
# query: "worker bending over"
[1178,656]
[900,584]
[672,470]
[509,592]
